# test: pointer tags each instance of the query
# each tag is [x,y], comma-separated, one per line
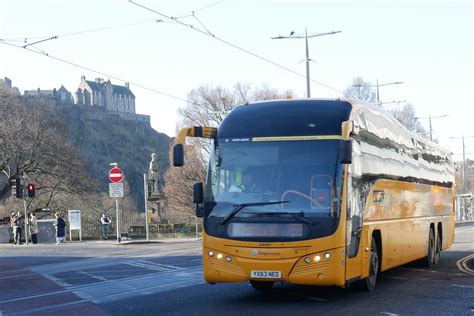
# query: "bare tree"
[407,116]
[360,90]
[35,142]
[178,188]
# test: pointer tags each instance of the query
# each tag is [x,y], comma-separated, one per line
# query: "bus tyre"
[261,286]
[368,284]
[438,246]
[428,261]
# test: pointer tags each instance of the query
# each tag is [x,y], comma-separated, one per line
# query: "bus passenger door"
[355,206]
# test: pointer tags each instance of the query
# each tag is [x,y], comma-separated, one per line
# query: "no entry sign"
[115,175]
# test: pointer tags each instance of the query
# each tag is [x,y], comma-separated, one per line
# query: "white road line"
[92,275]
[17,275]
[463,286]
[420,270]
[387,313]
[82,287]
[462,264]
[45,308]
[393,277]
[55,280]
[145,290]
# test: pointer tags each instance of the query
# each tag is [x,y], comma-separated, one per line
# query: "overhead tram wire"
[49,37]
[175,19]
[42,53]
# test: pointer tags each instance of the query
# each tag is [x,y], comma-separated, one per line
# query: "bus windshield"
[304,176]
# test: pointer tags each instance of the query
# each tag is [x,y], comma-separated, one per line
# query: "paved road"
[99,278]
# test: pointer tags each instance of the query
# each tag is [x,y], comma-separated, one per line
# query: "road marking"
[421,270]
[56,280]
[15,276]
[45,308]
[393,277]
[462,264]
[463,286]
[88,286]
[92,275]
[387,313]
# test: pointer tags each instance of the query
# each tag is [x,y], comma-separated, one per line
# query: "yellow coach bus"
[319,192]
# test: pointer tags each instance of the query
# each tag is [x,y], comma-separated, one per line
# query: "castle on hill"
[98,96]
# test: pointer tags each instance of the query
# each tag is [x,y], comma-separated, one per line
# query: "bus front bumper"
[321,268]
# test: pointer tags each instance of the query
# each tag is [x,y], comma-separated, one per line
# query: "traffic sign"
[116,190]
[115,175]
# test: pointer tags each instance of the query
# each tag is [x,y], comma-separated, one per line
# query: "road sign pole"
[145,188]
[118,225]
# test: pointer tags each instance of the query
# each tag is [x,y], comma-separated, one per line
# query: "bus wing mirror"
[178,155]
[198,197]
[345,151]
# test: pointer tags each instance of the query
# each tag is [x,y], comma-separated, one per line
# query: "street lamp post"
[306,36]
[429,118]
[463,161]
[377,85]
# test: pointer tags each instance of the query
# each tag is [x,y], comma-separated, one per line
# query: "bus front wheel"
[368,284]
[261,286]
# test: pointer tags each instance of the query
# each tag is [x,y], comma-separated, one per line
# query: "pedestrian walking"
[105,222]
[34,228]
[60,225]
[17,222]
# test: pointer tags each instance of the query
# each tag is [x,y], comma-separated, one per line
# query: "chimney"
[83,78]
[127,85]
[99,80]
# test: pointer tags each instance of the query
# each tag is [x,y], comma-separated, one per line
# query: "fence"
[133,226]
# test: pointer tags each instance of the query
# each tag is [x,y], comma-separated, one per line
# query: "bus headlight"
[307,260]
[219,256]
[327,255]
[317,258]
[228,259]
[210,253]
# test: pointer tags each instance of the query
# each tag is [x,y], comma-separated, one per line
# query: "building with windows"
[105,94]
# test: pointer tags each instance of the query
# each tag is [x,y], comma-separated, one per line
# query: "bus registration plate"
[265,274]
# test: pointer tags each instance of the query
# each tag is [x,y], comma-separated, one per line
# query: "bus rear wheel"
[429,260]
[261,286]
[438,246]
[368,284]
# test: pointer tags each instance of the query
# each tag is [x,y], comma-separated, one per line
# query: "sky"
[427,45]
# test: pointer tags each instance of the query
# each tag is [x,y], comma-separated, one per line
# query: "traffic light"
[18,187]
[30,187]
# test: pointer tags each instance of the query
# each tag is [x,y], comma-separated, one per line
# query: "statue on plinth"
[154,173]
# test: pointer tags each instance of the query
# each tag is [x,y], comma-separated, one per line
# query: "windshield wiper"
[239,207]
[299,216]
